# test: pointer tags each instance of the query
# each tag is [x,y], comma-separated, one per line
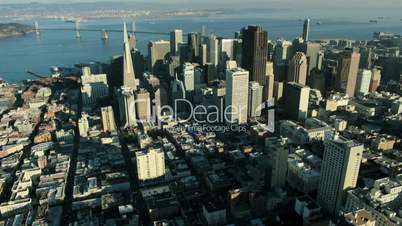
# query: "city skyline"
[179,124]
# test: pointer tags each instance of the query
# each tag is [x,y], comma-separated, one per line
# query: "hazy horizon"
[338,9]
[306,3]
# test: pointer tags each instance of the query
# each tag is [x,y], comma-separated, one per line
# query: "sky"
[354,3]
[369,8]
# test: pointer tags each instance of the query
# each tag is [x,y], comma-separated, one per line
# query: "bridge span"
[101,30]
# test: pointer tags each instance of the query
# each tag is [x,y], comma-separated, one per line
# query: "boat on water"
[374,21]
[105,35]
[72,20]
[318,23]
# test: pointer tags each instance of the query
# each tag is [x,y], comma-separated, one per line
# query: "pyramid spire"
[128,70]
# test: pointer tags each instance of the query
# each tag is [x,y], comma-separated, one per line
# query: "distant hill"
[13,29]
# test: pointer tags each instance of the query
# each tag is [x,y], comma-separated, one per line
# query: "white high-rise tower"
[236,99]
[339,172]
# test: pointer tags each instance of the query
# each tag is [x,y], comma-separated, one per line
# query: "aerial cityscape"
[193,113]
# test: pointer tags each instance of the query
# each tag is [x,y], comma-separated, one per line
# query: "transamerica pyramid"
[129,79]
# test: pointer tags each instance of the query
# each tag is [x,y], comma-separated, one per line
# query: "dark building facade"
[254,52]
[194,42]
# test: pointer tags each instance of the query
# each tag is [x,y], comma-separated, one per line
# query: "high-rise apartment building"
[150,163]
[236,99]
[339,172]
[108,122]
[277,150]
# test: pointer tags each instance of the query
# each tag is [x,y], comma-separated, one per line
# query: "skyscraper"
[93,86]
[306,29]
[176,37]
[227,51]
[158,52]
[184,53]
[254,99]
[254,52]
[297,71]
[150,163]
[312,51]
[375,79]
[187,77]
[277,150]
[348,66]
[363,82]
[213,49]
[296,97]
[203,54]
[236,99]
[128,70]
[339,172]
[282,53]
[317,81]
[269,84]
[108,123]
[194,42]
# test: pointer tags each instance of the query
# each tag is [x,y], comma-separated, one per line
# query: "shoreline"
[4,36]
